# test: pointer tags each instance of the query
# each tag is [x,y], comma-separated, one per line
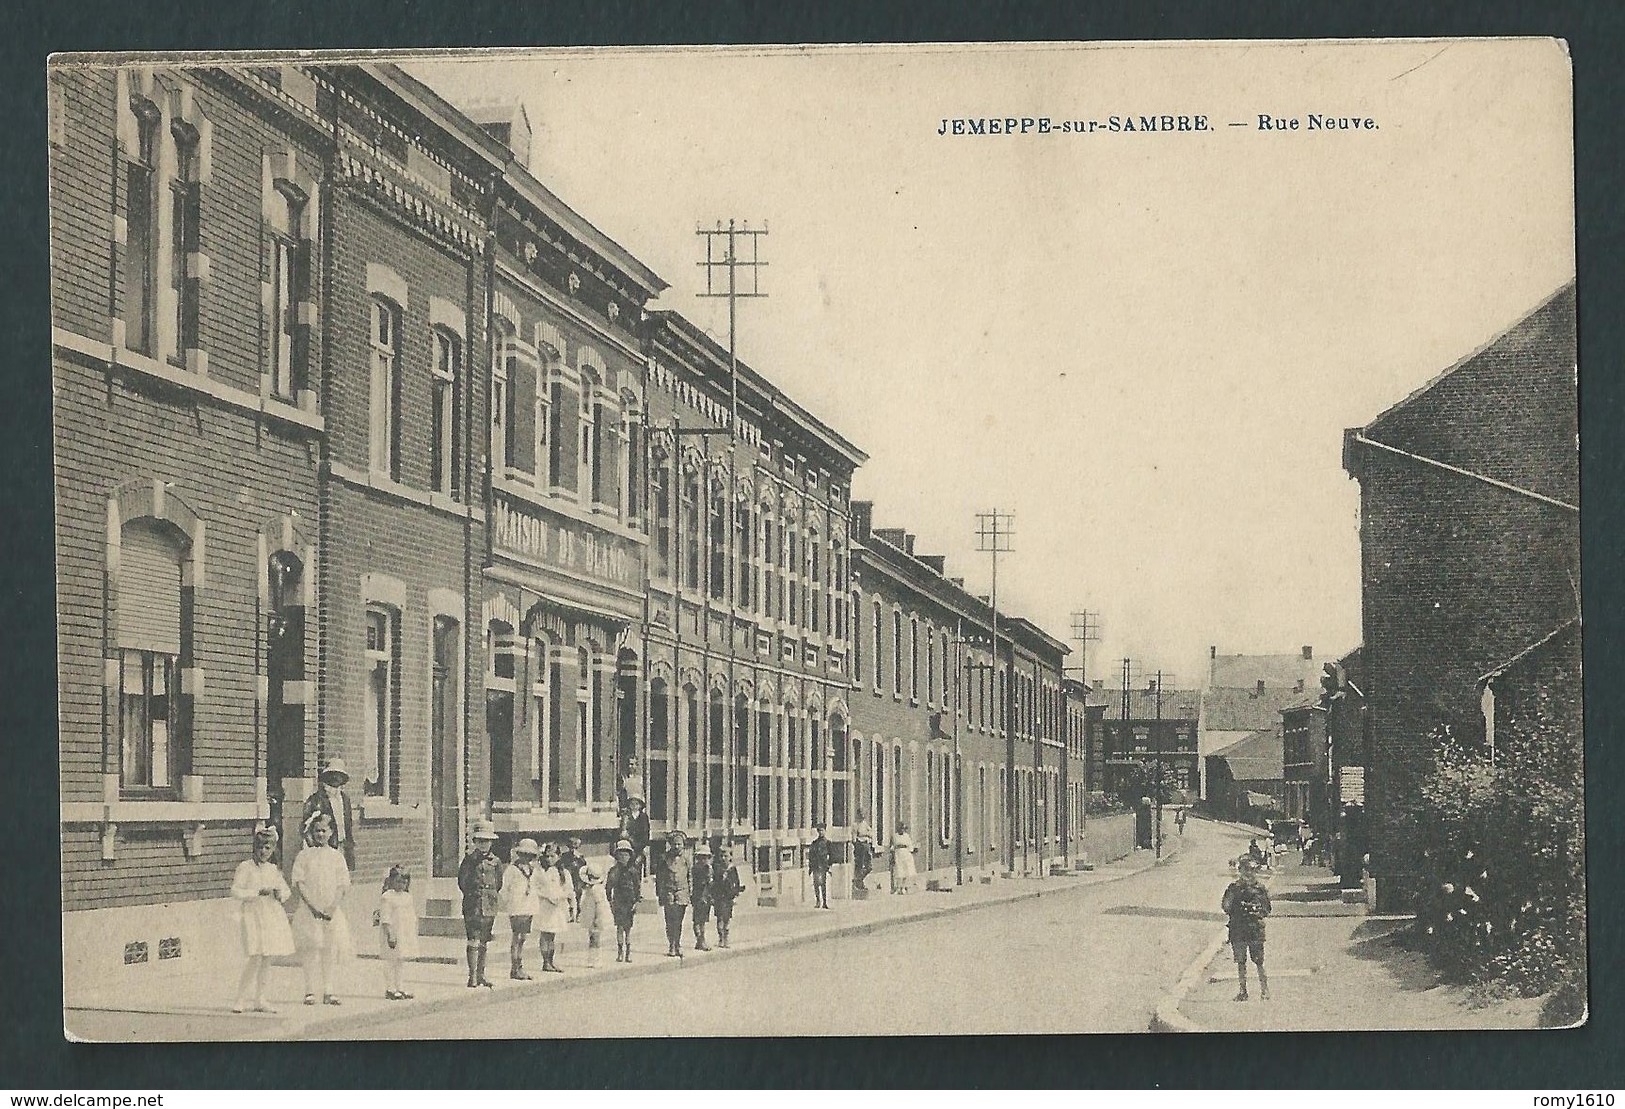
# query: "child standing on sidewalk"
[594,914]
[397,920]
[624,888]
[554,898]
[260,891]
[520,902]
[1246,902]
[479,877]
[726,886]
[321,879]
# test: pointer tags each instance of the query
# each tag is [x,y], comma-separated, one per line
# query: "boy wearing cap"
[624,889]
[520,901]
[1246,902]
[820,857]
[671,887]
[726,886]
[571,860]
[479,877]
[700,894]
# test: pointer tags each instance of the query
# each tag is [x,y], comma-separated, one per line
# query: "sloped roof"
[1245,710]
[1258,758]
[1246,671]
[1177,704]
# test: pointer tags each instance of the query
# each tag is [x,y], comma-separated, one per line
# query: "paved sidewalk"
[198,1007]
[1331,968]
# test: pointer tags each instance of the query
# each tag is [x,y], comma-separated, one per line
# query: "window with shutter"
[149,600]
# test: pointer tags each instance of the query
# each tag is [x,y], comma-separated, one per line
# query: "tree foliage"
[1503,836]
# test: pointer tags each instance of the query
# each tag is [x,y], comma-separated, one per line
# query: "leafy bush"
[1503,841]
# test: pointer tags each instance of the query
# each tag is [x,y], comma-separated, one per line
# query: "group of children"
[541,890]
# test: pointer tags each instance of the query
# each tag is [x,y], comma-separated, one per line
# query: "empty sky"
[1146,346]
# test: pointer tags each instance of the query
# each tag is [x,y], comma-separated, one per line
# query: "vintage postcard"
[1029,538]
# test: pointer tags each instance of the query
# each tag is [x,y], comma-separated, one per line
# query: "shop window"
[381,715]
[383,393]
[446,373]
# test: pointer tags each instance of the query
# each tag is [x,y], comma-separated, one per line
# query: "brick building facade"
[925,679]
[748,634]
[1469,529]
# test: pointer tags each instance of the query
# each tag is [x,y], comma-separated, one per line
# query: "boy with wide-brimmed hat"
[624,888]
[332,799]
[700,893]
[520,902]
[479,877]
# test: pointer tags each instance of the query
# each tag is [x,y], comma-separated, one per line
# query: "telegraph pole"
[723,265]
[994,531]
[1161,772]
[1086,627]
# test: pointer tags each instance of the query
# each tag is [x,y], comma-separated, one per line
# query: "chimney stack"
[908,548]
[1308,654]
[863,515]
[1260,687]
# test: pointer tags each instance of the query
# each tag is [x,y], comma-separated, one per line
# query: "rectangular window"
[446,372]
[141,238]
[381,718]
[147,682]
[501,392]
[383,388]
[661,495]
[541,458]
[542,728]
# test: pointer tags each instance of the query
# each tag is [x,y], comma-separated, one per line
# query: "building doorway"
[445,778]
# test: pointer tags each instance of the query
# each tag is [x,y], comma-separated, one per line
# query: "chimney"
[984,598]
[506,122]
[939,563]
[1260,687]
[863,516]
[908,548]
[1308,654]
[957,583]
[894,536]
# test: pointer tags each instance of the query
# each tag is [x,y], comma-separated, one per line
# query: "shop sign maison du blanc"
[559,543]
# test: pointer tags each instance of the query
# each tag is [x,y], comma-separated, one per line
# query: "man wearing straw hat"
[479,877]
[331,798]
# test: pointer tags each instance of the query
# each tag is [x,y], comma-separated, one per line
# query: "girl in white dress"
[321,879]
[397,920]
[555,893]
[902,848]
[260,891]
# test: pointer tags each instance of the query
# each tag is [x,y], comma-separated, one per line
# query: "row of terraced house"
[369,447]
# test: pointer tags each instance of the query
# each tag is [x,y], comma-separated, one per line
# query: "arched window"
[141,236]
[690,527]
[544,769]
[563,407]
[184,233]
[897,652]
[875,639]
[815,582]
[744,532]
[290,287]
[691,755]
[606,454]
[716,747]
[770,587]
[741,758]
[381,716]
[587,436]
[914,658]
[149,647]
[501,691]
[446,372]
[543,461]
[717,520]
[586,724]
[660,506]
[659,768]
[383,393]
[930,664]
[792,567]
[632,472]
[840,773]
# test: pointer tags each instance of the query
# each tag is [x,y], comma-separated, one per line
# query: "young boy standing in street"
[726,886]
[820,857]
[624,888]
[480,880]
[1246,902]
[700,894]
